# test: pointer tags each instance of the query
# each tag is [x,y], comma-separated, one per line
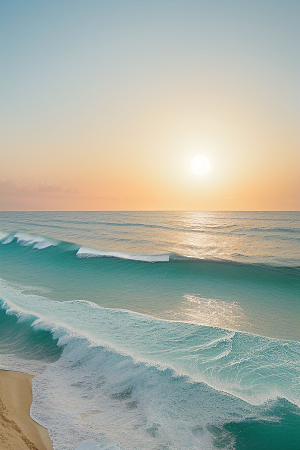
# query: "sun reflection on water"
[212,312]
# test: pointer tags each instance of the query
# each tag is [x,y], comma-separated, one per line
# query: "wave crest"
[27,239]
[88,252]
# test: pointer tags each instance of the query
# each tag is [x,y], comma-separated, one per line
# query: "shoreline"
[17,429]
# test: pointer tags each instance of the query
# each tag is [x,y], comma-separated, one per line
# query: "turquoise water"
[169,330]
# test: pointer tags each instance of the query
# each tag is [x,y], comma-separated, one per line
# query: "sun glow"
[200,165]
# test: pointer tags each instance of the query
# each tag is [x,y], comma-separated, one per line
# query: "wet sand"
[17,430]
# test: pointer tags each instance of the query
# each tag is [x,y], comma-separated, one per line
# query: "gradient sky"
[105,102]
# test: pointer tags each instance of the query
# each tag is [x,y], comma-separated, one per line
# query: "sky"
[104,103]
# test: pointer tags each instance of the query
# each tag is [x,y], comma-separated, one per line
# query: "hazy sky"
[105,102]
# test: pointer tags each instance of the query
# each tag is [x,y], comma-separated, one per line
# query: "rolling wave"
[27,239]
[20,339]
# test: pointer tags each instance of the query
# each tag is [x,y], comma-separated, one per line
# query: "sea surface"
[155,330]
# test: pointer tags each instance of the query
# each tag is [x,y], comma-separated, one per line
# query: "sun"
[200,165]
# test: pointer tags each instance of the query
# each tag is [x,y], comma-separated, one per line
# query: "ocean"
[155,330]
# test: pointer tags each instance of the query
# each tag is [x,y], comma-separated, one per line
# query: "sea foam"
[27,239]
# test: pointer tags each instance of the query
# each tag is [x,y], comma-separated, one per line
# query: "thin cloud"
[52,187]
[11,187]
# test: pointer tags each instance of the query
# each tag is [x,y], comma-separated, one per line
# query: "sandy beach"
[17,429]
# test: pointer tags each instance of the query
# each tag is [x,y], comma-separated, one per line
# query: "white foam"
[9,361]
[88,252]
[3,235]
[26,239]
[8,239]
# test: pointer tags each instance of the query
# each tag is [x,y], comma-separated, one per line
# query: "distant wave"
[201,229]
[27,239]
[87,252]
[43,242]
[275,230]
